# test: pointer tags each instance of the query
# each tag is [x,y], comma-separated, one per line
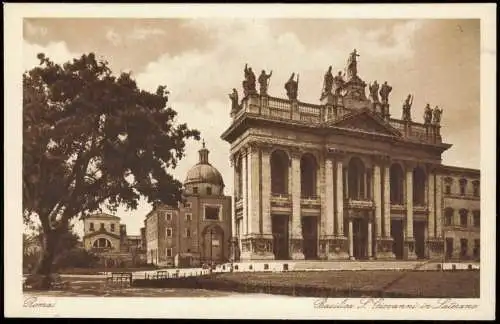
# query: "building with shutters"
[194,232]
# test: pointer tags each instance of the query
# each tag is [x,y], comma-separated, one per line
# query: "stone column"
[370,236]
[330,213]
[244,194]
[384,248]
[439,206]
[430,205]
[266,192]
[351,240]
[296,237]
[377,198]
[253,189]
[409,240]
[387,202]
[340,199]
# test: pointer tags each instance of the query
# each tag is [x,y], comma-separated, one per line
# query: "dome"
[203,171]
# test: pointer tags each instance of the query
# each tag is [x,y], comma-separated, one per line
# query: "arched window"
[418,186]
[448,216]
[356,179]
[397,184]
[279,172]
[101,243]
[308,175]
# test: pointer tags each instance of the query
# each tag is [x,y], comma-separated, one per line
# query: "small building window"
[169,232]
[91,227]
[476,218]
[169,252]
[195,190]
[168,217]
[475,186]
[209,191]
[212,212]
[102,227]
[187,205]
[189,217]
[463,217]
[448,216]
[447,185]
[463,187]
[188,232]
[112,227]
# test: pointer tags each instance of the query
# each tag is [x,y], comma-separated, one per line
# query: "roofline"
[324,127]
[457,169]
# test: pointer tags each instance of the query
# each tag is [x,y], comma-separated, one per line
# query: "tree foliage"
[93,139]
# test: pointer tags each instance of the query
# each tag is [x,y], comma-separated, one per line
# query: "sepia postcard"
[250,161]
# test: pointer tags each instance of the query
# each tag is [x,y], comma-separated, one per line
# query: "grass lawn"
[429,284]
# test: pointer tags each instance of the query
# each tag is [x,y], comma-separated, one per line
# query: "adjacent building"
[199,229]
[462,217]
[343,179]
[108,239]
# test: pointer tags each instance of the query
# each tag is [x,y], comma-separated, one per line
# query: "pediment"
[366,121]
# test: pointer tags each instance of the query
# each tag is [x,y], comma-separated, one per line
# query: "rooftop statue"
[385,90]
[291,87]
[427,114]
[249,82]
[374,91]
[264,82]
[407,108]
[235,106]
[437,115]
[328,82]
[352,68]
[338,84]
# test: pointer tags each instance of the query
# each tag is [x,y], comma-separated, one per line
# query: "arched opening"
[102,243]
[213,244]
[418,186]
[308,175]
[356,179]
[397,184]
[279,172]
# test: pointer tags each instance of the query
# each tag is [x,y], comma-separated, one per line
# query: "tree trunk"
[44,269]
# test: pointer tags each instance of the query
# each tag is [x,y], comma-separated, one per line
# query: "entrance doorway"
[310,237]
[419,235]
[398,238]
[360,238]
[280,236]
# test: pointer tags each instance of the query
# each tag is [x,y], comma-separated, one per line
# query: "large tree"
[93,139]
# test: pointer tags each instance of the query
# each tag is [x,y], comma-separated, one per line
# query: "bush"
[77,258]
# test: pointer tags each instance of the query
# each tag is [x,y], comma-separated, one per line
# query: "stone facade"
[338,180]
[197,230]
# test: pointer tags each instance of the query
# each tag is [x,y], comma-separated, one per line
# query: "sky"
[201,60]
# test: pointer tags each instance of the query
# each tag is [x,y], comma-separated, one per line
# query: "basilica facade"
[342,179]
